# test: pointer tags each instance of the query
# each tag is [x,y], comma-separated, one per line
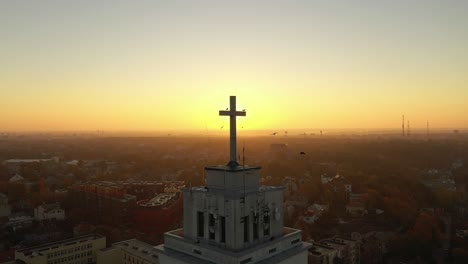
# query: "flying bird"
[221,127]
[227,109]
[274,134]
[302,153]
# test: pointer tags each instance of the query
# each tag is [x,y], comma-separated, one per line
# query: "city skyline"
[165,65]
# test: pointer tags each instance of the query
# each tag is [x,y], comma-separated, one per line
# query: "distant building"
[15,164]
[322,254]
[436,180]
[19,220]
[82,250]
[142,189]
[49,212]
[105,203]
[314,212]
[337,249]
[337,189]
[157,215]
[131,251]
[356,206]
[290,184]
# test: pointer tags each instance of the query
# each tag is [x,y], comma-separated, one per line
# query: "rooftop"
[138,248]
[45,247]
[319,249]
[159,200]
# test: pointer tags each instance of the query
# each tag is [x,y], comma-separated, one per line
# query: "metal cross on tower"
[233,114]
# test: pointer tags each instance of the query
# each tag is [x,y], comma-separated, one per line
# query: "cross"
[233,114]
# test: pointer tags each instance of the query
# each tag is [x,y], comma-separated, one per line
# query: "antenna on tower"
[403,125]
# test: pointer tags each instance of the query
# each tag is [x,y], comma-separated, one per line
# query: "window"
[223,229]
[295,241]
[211,223]
[245,220]
[255,226]
[201,224]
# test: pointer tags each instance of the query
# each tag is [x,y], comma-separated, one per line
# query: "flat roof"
[65,242]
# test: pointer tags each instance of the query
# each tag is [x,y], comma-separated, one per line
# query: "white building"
[49,212]
[131,251]
[16,178]
[79,250]
[5,209]
[233,220]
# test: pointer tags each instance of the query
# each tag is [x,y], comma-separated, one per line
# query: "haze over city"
[233,132]
[165,65]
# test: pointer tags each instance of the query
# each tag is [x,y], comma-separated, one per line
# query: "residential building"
[131,251]
[105,203]
[49,212]
[78,250]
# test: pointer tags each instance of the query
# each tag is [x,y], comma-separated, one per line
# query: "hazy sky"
[146,65]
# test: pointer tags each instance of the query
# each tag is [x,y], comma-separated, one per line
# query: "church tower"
[233,219]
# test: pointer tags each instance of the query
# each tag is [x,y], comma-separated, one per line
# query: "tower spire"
[232,113]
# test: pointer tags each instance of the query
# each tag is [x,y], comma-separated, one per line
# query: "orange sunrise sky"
[171,65]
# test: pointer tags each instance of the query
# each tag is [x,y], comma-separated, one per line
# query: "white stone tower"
[233,219]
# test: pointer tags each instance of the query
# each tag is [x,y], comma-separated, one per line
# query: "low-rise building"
[19,220]
[131,251]
[79,250]
[322,254]
[336,249]
[49,212]
[439,180]
[314,212]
